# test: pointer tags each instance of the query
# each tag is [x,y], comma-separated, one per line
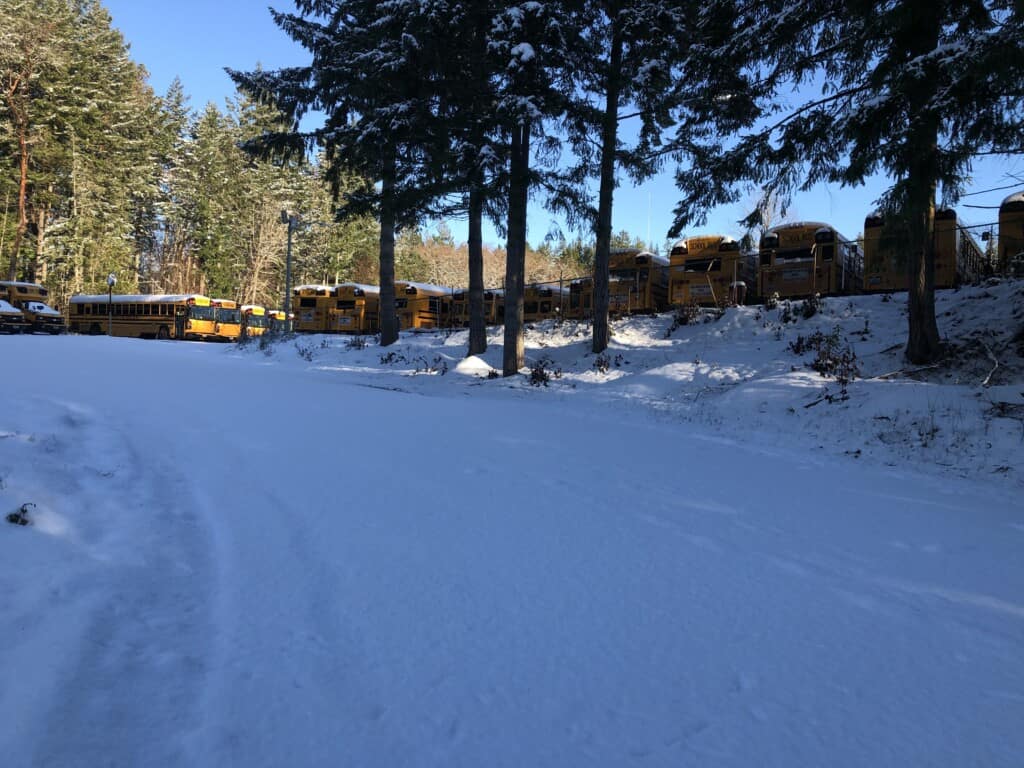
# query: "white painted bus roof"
[799,224]
[549,286]
[16,284]
[425,287]
[655,258]
[135,298]
[373,289]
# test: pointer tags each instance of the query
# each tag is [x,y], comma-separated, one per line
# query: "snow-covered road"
[240,563]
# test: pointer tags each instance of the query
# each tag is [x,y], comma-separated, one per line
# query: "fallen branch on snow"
[995,364]
[906,371]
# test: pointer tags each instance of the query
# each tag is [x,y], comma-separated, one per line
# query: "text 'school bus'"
[543,301]
[458,308]
[419,305]
[639,282]
[30,299]
[255,320]
[958,257]
[309,305]
[707,270]
[354,308]
[11,318]
[1010,258]
[804,258]
[227,319]
[144,316]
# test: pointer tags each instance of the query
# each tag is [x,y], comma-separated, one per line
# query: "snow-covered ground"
[314,554]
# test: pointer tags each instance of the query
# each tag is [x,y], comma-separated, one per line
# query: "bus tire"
[163,333]
[94,329]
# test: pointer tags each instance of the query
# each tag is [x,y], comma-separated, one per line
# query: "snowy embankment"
[312,557]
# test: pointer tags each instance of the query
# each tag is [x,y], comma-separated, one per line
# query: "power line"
[978,226]
[994,189]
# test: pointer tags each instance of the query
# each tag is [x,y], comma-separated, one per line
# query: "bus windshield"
[630,274]
[229,316]
[258,321]
[200,313]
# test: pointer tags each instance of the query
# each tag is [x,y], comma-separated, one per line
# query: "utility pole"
[292,221]
[111,282]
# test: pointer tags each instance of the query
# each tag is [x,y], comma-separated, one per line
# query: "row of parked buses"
[639,283]
[158,316]
[791,261]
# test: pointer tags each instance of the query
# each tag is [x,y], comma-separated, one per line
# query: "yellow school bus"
[1010,258]
[227,319]
[706,270]
[354,308]
[458,308]
[805,258]
[310,304]
[255,320]
[581,299]
[639,282]
[145,316]
[419,305]
[11,318]
[958,257]
[542,301]
[30,299]
[277,321]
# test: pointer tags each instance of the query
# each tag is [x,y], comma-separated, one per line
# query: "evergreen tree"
[630,54]
[170,265]
[913,88]
[82,117]
[468,155]
[533,40]
[367,76]
[34,42]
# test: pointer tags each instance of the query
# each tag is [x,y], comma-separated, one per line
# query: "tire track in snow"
[129,697]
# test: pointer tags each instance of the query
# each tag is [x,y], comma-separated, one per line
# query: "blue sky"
[195,39]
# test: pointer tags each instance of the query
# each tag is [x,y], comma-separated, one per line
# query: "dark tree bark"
[514,354]
[609,140]
[388,315]
[923,344]
[22,229]
[477,321]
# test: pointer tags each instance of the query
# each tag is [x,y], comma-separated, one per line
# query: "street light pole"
[291,220]
[111,282]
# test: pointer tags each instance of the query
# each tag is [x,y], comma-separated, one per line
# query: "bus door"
[179,322]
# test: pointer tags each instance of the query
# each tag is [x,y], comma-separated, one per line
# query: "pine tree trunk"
[609,136]
[388,316]
[923,345]
[477,321]
[514,354]
[922,146]
[19,236]
[35,271]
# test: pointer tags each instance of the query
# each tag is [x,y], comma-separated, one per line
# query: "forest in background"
[100,174]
